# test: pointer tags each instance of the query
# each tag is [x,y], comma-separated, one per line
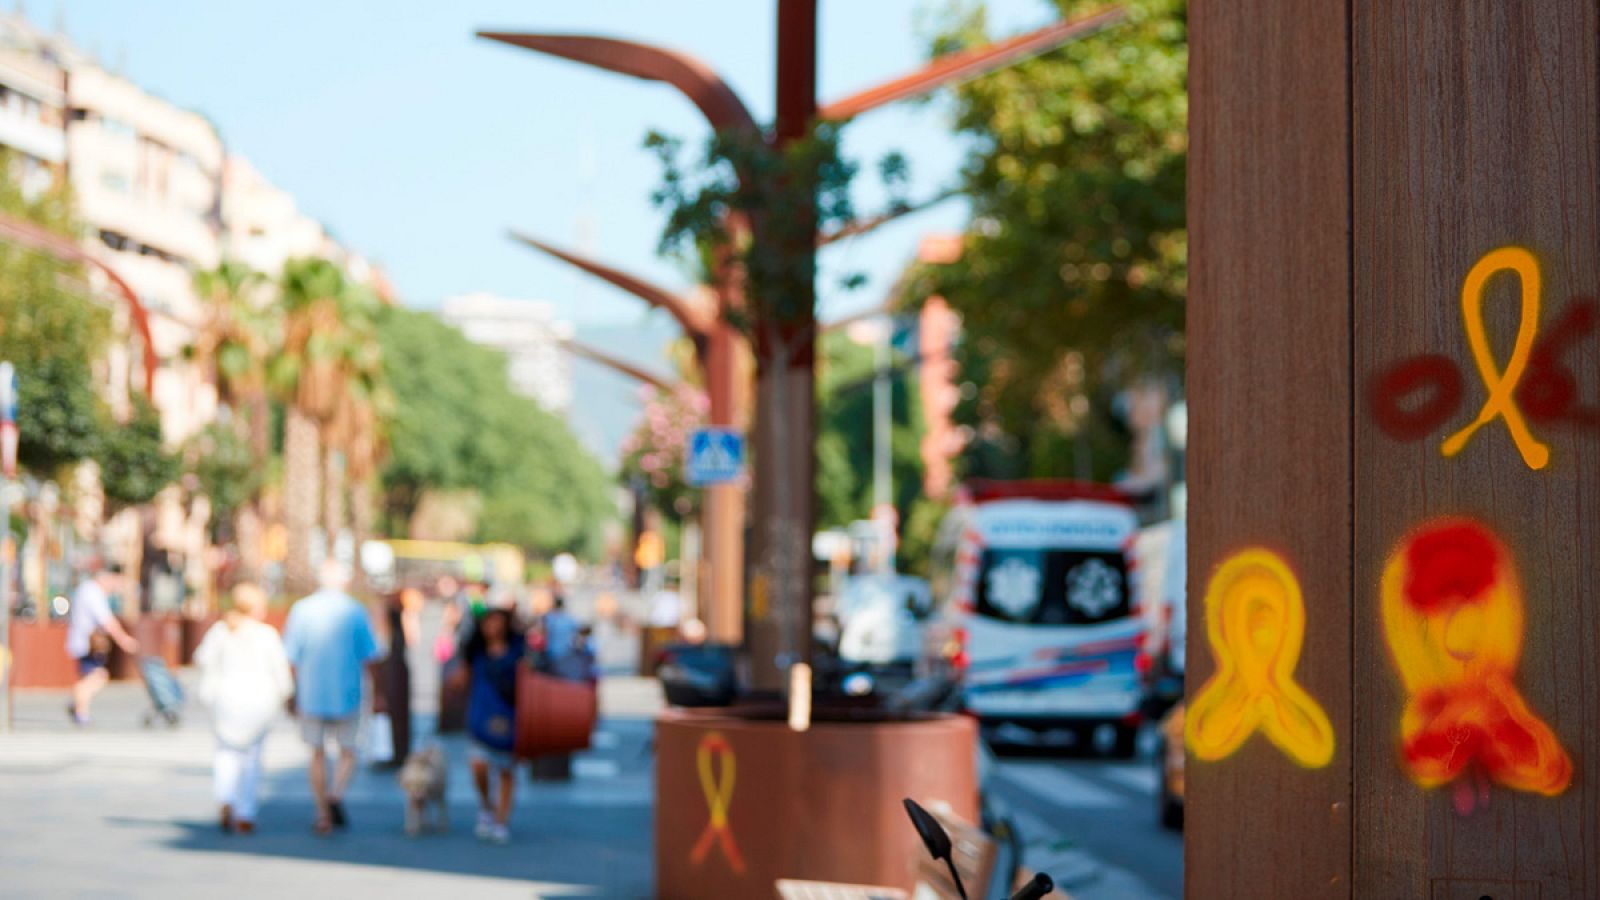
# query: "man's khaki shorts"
[343,732]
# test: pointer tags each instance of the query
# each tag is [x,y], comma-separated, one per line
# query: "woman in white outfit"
[244,678]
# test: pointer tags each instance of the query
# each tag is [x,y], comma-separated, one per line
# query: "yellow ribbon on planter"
[719,795]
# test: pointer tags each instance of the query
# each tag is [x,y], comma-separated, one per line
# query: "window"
[115,181]
[1052,587]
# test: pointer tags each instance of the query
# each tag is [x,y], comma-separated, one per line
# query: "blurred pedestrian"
[560,628]
[489,668]
[452,689]
[91,628]
[394,675]
[666,606]
[329,640]
[411,601]
[244,678]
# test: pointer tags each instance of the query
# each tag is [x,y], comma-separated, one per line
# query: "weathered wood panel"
[1269,384]
[1474,127]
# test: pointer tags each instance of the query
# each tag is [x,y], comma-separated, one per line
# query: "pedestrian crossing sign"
[716,456]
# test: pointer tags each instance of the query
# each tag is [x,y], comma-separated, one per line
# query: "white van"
[1037,611]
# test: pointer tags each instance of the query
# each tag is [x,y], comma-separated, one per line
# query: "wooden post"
[784,433]
[1378,192]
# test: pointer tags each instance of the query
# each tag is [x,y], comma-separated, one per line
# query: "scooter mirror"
[928,828]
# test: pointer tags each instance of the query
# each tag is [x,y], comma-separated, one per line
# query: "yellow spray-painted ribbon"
[719,794]
[1502,386]
[1255,621]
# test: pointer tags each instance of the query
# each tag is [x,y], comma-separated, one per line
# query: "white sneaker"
[485,827]
[499,834]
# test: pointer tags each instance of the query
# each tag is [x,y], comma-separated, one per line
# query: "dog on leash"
[423,779]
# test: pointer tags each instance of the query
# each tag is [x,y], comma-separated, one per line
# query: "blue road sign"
[716,456]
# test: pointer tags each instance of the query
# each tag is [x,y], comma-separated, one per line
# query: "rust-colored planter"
[39,650]
[194,631]
[742,802]
[160,634]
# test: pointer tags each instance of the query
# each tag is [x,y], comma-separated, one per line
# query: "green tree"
[134,463]
[50,329]
[60,420]
[458,425]
[225,467]
[846,374]
[1072,278]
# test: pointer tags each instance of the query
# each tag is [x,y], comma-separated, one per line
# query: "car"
[881,619]
[1037,611]
[1169,761]
[698,674]
[1163,569]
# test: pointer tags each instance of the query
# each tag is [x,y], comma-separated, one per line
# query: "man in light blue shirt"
[329,641]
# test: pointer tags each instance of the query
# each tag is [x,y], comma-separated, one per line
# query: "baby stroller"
[166,694]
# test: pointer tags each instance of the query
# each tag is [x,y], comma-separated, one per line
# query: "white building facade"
[530,335]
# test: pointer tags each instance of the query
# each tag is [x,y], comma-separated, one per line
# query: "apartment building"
[147,178]
[160,196]
[32,101]
[262,226]
[529,334]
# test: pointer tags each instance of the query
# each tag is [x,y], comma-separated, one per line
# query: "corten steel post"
[615,364]
[717,350]
[35,237]
[796,110]
[1392,353]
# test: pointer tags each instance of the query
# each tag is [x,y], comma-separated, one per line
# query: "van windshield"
[1052,587]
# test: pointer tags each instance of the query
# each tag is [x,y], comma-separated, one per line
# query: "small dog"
[423,778]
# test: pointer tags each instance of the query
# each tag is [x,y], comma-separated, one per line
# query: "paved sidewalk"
[119,810]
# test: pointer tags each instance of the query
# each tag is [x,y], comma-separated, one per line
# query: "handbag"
[553,715]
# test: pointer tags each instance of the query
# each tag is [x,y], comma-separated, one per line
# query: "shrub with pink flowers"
[653,454]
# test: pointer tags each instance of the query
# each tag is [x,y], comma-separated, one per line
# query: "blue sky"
[418,144]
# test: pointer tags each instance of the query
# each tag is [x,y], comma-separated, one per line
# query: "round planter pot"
[741,800]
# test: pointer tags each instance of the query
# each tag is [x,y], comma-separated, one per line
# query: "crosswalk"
[1091,825]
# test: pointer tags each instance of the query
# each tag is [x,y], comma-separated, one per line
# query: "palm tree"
[240,332]
[305,378]
[355,433]
[329,379]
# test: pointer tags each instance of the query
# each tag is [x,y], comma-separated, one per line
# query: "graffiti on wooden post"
[1410,399]
[1255,622]
[1453,618]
